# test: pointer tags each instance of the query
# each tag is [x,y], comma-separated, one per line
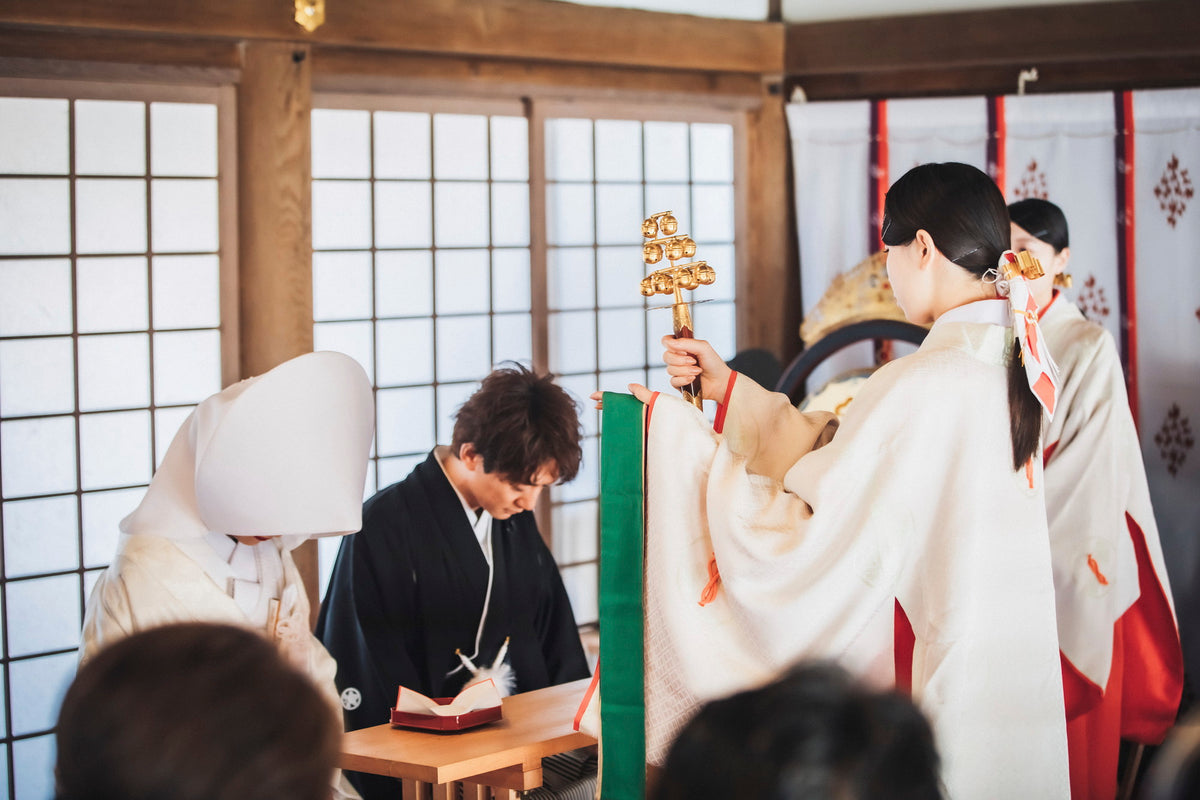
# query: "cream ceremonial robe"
[1117,630]
[911,516]
[282,455]
[153,582]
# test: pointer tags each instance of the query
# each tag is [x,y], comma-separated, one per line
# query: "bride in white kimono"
[912,547]
[254,471]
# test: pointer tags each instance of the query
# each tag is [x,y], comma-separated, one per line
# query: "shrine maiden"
[255,470]
[1122,663]
[912,547]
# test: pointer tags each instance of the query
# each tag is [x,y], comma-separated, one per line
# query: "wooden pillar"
[275,204]
[275,220]
[769,316]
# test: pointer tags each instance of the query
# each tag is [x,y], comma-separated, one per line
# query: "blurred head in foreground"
[813,734]
[194,711]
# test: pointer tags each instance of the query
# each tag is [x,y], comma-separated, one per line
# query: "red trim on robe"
[1080,695]
[1049,451]
[1145,683]
[1093,726]
[587,697]
[709,592]
[904,640]
[1054,293]
[1154,659]
[723,406]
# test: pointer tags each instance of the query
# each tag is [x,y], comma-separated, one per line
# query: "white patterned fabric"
[932,130]
[1167,214]
[831,145]
[1060,148]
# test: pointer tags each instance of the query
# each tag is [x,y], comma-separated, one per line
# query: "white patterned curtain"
[930,130]
[1166,267]
[1062,148]
[831,156]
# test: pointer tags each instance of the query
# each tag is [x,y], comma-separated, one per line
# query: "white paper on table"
[480,695]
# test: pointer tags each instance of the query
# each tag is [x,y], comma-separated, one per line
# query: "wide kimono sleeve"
[557,631]
[151,582]
[108,616]
[816,562]
[767,430]
[369,593]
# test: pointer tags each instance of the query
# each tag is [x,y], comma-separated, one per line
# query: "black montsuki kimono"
[409,589]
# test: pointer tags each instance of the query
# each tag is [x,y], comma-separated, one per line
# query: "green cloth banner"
[622,697]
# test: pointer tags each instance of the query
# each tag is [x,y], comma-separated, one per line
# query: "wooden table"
[505,755]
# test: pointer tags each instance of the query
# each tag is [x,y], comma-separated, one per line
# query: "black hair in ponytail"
[964,212]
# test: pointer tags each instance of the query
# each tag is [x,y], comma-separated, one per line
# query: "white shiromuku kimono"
[1123,667]
[282,456]
[908,549]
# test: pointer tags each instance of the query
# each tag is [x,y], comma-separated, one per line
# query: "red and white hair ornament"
[1012,276]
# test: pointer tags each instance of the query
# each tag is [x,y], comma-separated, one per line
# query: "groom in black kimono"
[450,559]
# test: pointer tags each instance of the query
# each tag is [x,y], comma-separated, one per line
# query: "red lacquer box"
[432,722]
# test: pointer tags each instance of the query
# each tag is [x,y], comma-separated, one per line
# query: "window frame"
[537,112]
[223,97]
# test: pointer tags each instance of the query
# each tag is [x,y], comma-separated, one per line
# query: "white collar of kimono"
[988,312]
[481,523]
[281,454]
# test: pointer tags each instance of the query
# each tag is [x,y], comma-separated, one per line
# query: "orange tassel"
[709,592]
[1095,568]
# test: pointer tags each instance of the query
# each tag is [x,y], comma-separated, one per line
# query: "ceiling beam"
[343,69]
[518,29]
[1131,44]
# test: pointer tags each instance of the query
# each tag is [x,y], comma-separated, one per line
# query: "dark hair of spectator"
[814,734]
[963,210]
[519,421]
[1042,220]
[194,711]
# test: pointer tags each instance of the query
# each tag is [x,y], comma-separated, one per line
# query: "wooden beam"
[1108,75]
[367,70]
[506,28]
[1087,32]
[275,221]
[20,42]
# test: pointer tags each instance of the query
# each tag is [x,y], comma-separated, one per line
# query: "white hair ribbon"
[1015,270]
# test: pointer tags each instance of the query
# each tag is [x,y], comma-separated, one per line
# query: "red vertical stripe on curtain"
[878,193]
[878,172]
[996,143]
[1126,251]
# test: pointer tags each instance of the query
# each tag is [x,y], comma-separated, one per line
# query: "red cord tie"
[709,592]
